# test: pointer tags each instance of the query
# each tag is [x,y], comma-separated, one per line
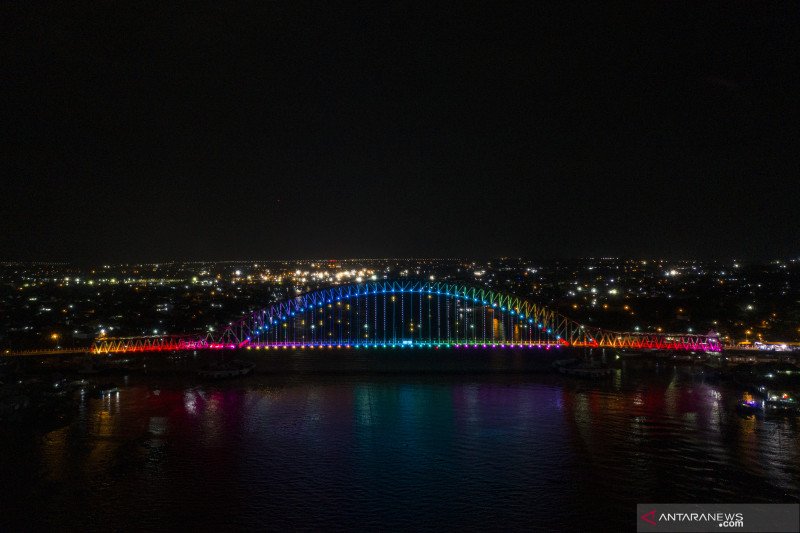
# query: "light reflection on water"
[520,451]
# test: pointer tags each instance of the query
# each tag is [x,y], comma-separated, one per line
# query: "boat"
[783,405]
[585,370]
[226,369]
[107,389]
[749,407]
[561,363]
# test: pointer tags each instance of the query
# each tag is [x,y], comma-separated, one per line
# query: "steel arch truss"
[406,313]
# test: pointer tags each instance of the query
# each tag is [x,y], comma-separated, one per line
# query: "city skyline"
[739,300]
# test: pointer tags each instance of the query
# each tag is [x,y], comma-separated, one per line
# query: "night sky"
[139,131]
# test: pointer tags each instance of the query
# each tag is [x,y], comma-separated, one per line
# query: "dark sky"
[148,131]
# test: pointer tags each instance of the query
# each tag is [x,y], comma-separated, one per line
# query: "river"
[497,447]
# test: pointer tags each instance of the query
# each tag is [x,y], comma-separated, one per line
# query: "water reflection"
[397,452]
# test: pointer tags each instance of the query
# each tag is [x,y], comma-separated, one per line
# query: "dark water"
[501,448]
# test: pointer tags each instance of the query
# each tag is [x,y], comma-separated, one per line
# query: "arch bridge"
[405,314]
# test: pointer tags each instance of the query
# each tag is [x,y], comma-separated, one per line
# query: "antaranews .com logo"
[667,517]
[724,519]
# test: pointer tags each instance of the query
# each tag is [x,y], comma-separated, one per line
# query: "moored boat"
[749,407]
[226,369]
[586,371]
[107,389]
[783,405]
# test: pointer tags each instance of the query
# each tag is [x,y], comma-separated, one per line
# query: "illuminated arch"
[357,315]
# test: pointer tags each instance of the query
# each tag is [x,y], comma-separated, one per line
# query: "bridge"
[406,314]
